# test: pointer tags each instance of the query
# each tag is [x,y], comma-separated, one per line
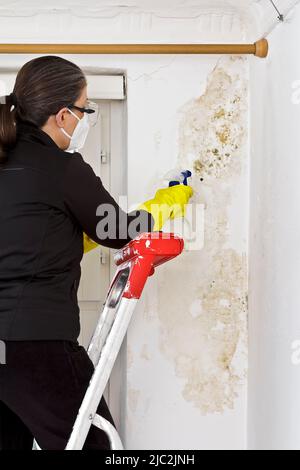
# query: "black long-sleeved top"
[48,198]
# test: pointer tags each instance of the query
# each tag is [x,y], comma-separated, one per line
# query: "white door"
[95,265]
[105,152]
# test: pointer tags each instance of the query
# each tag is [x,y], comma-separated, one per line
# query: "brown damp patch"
[220,114]
[204,348]
[224,137]
[202,297]
[144,353]
[133,398]
[209,132]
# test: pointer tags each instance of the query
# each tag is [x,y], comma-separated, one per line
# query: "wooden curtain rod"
[259,49]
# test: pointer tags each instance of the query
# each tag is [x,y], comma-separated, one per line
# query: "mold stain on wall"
[202,297]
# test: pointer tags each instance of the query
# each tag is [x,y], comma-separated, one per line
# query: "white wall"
[274,301]
[186,347]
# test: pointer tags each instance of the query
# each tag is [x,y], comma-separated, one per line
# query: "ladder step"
[111,432]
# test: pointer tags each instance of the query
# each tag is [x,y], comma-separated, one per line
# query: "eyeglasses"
[92,111]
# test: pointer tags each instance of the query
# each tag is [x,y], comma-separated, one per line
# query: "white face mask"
[78,138]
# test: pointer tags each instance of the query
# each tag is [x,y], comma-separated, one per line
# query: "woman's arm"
[96,211]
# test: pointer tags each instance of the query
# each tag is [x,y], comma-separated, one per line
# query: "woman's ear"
[60,117]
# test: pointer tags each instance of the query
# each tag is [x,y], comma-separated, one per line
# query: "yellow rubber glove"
[168,203]
[88,244]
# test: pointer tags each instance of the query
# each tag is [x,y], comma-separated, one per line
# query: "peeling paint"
[202,298]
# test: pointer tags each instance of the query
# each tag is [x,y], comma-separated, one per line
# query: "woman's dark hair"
[43,86]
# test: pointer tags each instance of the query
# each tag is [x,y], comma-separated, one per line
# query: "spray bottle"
[175,177]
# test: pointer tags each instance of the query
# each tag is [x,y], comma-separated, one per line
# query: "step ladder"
[135,263]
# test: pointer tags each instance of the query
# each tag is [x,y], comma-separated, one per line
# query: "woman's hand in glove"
[88,244]
[168,203]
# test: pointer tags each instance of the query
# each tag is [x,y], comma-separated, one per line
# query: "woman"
[50,200]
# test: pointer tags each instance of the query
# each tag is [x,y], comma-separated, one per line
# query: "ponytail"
[8,132]
[43,86]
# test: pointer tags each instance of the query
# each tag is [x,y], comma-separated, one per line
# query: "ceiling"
[149,4]
[245,20]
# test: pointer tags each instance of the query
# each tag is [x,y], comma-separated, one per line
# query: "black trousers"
[42,385]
